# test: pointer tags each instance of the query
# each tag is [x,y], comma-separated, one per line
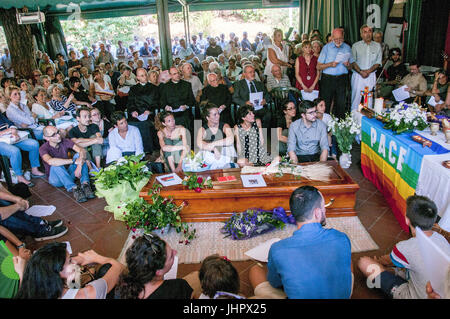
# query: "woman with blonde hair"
[277,53]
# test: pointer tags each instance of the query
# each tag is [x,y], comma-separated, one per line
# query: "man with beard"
[394,73]
[314,263]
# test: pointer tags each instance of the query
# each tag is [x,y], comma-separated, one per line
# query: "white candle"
[378,107]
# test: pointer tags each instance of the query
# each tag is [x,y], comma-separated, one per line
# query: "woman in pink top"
[306,72]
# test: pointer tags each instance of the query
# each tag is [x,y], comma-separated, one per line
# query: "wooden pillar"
[165,43]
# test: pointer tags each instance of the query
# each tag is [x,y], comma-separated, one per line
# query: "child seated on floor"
[218,278]
[420,212]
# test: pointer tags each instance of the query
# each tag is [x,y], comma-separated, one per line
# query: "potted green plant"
[158,216]
[121,182]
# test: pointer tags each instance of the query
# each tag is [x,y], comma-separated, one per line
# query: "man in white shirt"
[124,139]
[368,57]
[7,64]
[185,53]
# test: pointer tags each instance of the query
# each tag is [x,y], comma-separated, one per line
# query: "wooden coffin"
[218,203]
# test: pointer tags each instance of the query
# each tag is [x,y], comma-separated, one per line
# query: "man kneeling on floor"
[314,263]
[14,218]
[62,170]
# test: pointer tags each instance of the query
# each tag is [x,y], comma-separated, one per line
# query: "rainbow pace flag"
[392,163]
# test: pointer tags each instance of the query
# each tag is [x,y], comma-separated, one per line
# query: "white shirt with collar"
[367,55]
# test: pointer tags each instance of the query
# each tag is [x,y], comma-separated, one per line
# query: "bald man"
[333,84]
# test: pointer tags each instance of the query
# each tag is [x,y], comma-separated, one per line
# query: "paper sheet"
[444,223]
[142,117]
[172,273]
[68,247]
[432,101]
[310,96]
[40,210]
[342,57]
[400,94]
[124,89]
[256,99]
[7,137]
[437,264]
[261,252]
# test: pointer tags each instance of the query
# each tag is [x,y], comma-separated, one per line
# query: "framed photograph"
[253,181]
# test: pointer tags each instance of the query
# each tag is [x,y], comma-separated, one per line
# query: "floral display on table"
[197,183]
[121,182]
[345,131]
[254,222]
[158,216]
[194,163]
[404,117]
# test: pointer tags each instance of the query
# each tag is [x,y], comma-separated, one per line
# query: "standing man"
[314,263]
[104,56]
[213,49]
[245,43]
[333,84]
[87,60]
[308,138]
[7,64]
[143,100]
[177,97]
[368,58]
[186,54]
[145,53]
[121,52]
[247,85]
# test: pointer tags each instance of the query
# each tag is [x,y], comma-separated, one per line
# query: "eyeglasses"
[57,132]
[149,238]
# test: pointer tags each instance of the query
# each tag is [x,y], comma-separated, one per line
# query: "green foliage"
[252,15]
[128,168]
[81,33]
[157,214]
[192,181]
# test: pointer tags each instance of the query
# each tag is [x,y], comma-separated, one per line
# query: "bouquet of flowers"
[255,222]
[157,215]
[345,131]
[192,181]
[194,162]
[404,117]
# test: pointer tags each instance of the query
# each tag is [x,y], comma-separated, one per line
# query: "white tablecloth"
[434,181]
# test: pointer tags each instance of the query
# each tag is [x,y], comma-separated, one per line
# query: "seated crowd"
[220,98]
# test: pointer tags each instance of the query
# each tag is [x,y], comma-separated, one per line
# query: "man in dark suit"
[177,97]
[219,95]
[247,85]
[143,99]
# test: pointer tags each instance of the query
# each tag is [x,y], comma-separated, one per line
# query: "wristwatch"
[22,245]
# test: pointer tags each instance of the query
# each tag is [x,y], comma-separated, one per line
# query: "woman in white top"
[186,74]
[277,53]
[20,114]
[52,274]
[40,107]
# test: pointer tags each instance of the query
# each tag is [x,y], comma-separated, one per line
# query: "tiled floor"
[90,227]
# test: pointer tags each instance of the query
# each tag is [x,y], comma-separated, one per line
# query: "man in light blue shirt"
[368,57]
[314,263]
[335,61]
[186,53]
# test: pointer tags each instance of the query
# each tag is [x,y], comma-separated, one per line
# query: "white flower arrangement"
[404,117]
[345,131]
[193,162]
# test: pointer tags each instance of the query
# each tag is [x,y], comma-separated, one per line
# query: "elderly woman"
[25,92]
[59,102]
[215,138]
[197,86]
[233,49]
[20,114]
[233,71]
[277,53]
[316,47]
[84,77]
[45,81]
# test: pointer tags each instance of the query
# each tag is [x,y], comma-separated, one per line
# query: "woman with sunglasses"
[149,258]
